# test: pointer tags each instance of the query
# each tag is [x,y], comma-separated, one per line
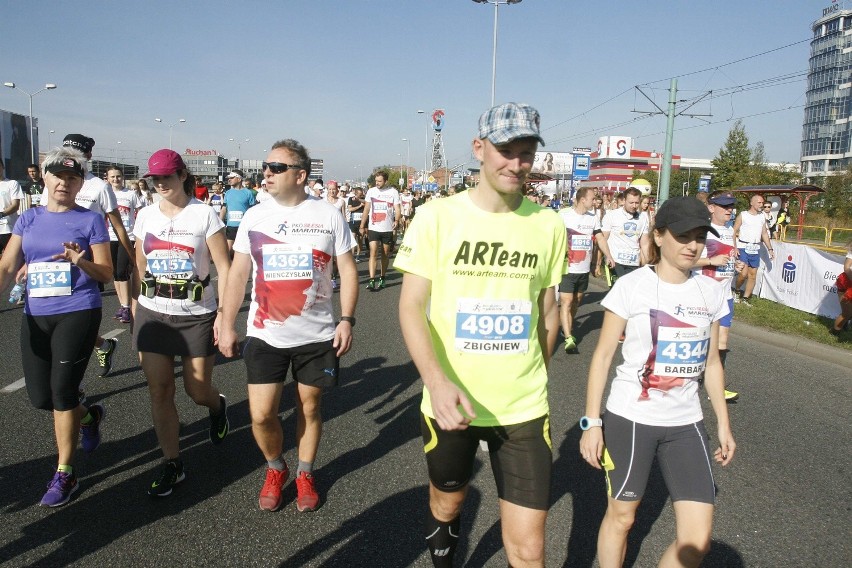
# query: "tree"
[734,158]
[837,199]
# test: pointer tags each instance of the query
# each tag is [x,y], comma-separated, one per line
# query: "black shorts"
[355,227]
[384,238]
[574,283]
[521,458]
[55,351]
[122,264]
[622,269]
[683,453]
[184,336]
[4,240]
[314,364]
[231,233]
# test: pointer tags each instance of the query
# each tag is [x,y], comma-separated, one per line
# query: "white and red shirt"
[292,250]
[580,230]
[723,244]
[10,190]
[176,249]
[665,347]
[128,202]
[382,203]
[406,204]
[625,229]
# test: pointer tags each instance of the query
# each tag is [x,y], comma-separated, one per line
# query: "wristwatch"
[350,319]
[586,423]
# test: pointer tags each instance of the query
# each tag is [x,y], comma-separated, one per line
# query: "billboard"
[437,119]
[614,147]
[15,149]
[553,163]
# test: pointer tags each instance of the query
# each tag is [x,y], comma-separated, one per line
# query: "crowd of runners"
[490,279]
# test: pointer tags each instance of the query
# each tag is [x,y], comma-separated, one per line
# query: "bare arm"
[99,268]
[230,301]
[591,442]
[446,397]
[348,300]
[219,251]
[11,261]
[548,322]
[120,232]
[365,217]
[603,243]
[714,382]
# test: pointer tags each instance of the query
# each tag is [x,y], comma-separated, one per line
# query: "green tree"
[734,158]
[837,199]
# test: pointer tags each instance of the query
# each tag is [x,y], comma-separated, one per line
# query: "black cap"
[66,165]
[79,142]
[682,214]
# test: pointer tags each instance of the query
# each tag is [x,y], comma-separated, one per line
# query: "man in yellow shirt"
[485,263]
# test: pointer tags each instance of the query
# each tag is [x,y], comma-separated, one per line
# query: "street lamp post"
[239,150]
[49,136]
[407,159]
[180,121]
[47,87]
[496,4]
[426,153]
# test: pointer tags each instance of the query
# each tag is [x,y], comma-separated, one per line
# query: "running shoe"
[371,285]
[382,283]
[117,314]
[90,434]
[307,498]
[746,302]
[124,316]
[270,495]
[731,395]
[570,344]
[105,357]
[60,489]
[171,475]
[219,425]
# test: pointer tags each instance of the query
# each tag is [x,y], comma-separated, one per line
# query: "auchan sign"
[191,152]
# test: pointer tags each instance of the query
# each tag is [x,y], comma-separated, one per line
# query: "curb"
[794,344]
[791,343]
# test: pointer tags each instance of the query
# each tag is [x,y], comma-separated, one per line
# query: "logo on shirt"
[282,229]
[493,254]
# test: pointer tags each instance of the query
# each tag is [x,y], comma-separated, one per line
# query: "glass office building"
[827,125]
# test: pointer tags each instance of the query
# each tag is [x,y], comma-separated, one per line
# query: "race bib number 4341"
[493,326]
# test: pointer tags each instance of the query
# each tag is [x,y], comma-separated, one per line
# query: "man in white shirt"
[381,214]
[626,232]
[11,196]
[749,231]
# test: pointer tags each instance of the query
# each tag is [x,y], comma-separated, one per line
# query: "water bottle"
[17,293]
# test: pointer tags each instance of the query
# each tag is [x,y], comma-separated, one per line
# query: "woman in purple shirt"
[66,252]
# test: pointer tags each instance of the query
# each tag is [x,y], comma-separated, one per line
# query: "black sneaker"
[105,357]
[382,283]
[219,425]
[171,475]
[371,285]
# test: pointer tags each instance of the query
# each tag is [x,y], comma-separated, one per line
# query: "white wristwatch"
[586,423]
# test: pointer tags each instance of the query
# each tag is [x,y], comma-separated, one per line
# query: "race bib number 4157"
[493,326]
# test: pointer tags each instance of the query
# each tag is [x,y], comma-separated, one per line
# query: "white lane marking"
[17,385]
[113,333]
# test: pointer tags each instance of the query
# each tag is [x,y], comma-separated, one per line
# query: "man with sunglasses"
[237,201]
[717,261]
[749,232]
[478,314]
[288,243]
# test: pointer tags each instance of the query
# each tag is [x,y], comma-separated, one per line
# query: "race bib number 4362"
[287,262]
[493,326]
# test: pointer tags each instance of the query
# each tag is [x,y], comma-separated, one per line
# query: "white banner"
[802,277]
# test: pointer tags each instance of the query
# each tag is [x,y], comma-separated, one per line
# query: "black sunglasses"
[278,167]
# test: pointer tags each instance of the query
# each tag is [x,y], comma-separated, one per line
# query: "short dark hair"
[632,191]
[583,191]
[297,150]
[382,173]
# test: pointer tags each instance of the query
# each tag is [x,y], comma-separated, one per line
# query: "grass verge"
[769,315]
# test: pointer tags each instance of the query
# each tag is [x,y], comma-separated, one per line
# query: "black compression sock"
[442,538]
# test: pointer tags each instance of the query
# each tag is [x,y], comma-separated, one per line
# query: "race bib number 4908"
[287,262]
[493,326]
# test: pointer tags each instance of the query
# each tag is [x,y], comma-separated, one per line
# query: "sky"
[346,78]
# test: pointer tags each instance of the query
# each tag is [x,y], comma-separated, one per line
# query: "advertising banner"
[614,147]
[802,277]
[581,166]
[15,150]
[553,163]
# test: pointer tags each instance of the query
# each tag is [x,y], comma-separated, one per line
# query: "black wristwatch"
[350,319]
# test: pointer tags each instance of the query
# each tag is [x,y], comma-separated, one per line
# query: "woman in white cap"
[66,251]
[670,316]
[177,313]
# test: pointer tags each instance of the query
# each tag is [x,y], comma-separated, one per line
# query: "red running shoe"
[307,498]
[270,495]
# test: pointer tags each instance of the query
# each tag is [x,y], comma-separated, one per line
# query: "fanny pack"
[192,289]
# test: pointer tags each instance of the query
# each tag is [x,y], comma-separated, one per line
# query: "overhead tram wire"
[732,119]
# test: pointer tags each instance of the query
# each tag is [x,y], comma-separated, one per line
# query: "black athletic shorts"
[313,364]
[621,269]
[4,240]
[231,233]
[122,264]
[521,458]
[574,283]
[384,238]
[183,336]
[683,453]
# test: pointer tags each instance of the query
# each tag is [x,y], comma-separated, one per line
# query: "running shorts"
[728,319]
[574,283]
[751,260]
[184,336]
[313,364]
[122,264]
[384,238]
[521,458]
[683,453]
[231,233]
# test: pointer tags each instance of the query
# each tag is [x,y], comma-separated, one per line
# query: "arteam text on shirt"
[493,254]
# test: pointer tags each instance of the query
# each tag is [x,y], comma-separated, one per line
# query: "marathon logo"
[493,254]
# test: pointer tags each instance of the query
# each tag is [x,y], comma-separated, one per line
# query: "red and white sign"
[614,147]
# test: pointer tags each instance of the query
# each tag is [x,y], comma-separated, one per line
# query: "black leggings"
[122,264]
[55,352]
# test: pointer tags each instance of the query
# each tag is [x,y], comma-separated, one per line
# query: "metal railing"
[817,236]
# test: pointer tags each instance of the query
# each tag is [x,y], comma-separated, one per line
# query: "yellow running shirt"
[487,270]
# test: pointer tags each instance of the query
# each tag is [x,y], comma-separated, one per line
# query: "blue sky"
[347,77]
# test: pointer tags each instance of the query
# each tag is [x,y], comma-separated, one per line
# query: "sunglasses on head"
[279,168]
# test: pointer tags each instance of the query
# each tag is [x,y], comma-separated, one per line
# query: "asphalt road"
[784,501]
